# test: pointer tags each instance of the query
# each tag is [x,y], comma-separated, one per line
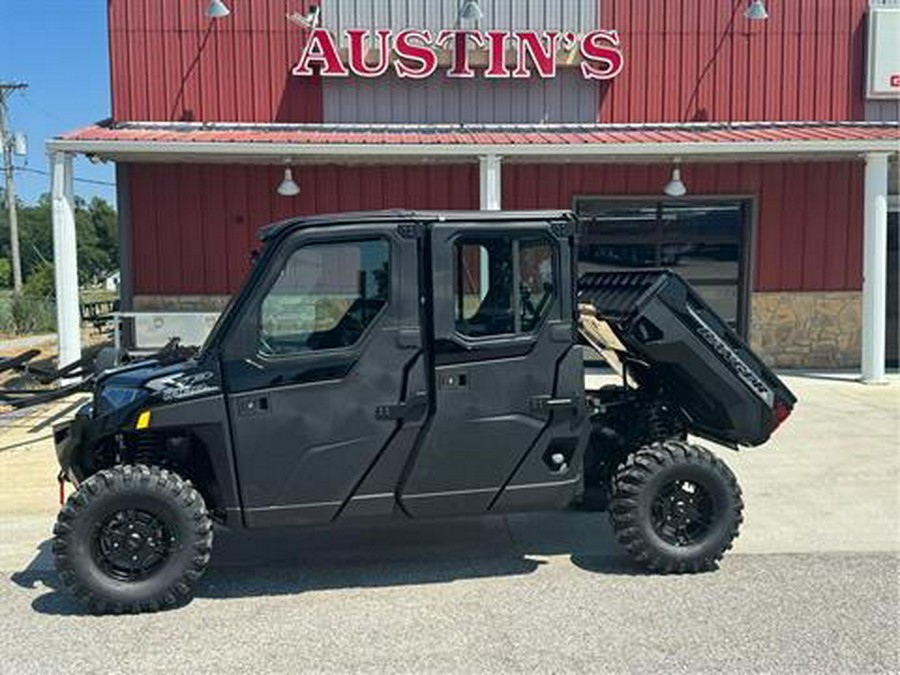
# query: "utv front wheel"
[132,539]
[675,507]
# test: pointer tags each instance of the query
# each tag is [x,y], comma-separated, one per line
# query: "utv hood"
[149,381]
[139,374]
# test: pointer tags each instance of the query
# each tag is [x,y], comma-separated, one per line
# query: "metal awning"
[312,143]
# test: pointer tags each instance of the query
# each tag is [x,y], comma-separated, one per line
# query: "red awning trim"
[486,135]
[399,143]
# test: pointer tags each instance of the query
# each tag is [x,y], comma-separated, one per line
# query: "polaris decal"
[750,378]
[184,385]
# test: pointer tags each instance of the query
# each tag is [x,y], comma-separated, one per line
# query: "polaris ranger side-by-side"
[414,365]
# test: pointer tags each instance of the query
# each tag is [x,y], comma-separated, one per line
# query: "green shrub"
[29,315]
[40,283]
[34,309]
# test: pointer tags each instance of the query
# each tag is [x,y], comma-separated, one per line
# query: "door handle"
[256,405]
[412,409]
[455,381]
[544,403]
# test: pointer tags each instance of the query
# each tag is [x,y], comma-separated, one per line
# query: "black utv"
[414,365]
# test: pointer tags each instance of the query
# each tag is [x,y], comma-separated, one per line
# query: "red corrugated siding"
[169,62]
[193,226]
[687,60]
[809,215]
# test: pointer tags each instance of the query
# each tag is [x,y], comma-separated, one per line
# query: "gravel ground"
[759,613]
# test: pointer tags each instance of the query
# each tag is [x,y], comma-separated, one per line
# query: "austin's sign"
[417,54]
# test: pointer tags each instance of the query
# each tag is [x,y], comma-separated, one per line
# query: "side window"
[502,284]
[325,297]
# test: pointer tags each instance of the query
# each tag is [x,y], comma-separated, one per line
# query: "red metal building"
[784,131]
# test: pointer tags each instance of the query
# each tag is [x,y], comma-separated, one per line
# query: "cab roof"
[400,215]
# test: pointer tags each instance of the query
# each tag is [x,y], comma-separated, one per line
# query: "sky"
[60,49]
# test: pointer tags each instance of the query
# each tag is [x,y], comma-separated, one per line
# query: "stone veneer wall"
[180,303]
[807,329]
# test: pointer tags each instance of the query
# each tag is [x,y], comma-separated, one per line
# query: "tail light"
[781,412]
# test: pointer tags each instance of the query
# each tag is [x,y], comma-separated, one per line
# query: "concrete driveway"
[811,586]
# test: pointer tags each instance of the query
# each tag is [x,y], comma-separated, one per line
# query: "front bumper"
[76,440]
[69,438]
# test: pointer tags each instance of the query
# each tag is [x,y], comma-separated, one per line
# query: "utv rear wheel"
[132,539]
[675,507]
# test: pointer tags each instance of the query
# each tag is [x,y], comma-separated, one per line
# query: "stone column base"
[807,329]
[180,303]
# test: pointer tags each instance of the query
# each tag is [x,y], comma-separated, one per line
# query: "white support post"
[65,259]
[491,186]
[491,199]
[874,300]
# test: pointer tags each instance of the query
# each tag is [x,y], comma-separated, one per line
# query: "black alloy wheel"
[132,539]
[682,513]
[675,507]
[131,544]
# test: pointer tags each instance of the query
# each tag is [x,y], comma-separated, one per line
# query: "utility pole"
[8,141]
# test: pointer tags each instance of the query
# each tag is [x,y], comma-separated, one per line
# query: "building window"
[325,297]
[702,241]
[502,284]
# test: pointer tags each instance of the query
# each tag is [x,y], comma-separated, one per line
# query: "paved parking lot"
[812,585]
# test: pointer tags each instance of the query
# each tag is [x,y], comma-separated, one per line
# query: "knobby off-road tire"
[675,507]
[132,539]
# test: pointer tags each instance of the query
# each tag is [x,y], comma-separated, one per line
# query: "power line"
[46,113]
[77,180]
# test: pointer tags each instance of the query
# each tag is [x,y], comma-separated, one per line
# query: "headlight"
[111,398]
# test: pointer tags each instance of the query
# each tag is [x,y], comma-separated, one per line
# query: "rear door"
[323,352]
[507,425]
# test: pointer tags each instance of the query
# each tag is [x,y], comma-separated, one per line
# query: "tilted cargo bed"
[725,390]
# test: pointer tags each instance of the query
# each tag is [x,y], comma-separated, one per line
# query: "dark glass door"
[702,241]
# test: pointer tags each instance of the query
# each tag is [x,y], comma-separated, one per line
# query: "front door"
[325,340]
[507,425]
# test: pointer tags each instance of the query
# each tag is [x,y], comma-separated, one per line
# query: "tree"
[96,225]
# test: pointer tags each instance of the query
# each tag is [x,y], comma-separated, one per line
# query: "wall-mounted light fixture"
[675,187]
[217,9]
[470,10]
[311,20]
[288,186]
[757,11]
